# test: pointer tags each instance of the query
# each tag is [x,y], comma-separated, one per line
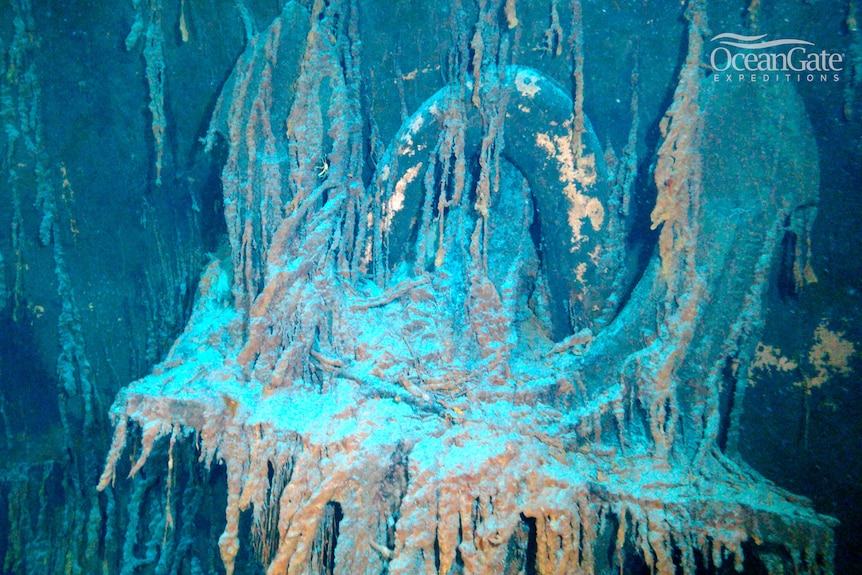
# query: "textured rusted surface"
[469,390]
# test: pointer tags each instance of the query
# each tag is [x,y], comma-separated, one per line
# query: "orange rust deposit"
[450,366]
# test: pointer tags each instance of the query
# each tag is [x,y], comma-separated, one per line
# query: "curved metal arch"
[570,187]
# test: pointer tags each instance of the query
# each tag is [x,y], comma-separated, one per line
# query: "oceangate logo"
[740,58]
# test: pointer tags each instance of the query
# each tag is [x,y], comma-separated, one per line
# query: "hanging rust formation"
[569,192]
[424,359]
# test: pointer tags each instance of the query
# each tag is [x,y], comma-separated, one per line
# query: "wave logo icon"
[738,55]
[752,43]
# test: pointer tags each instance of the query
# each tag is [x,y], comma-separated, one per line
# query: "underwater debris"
[579,441]
[827,358]
[148,23]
